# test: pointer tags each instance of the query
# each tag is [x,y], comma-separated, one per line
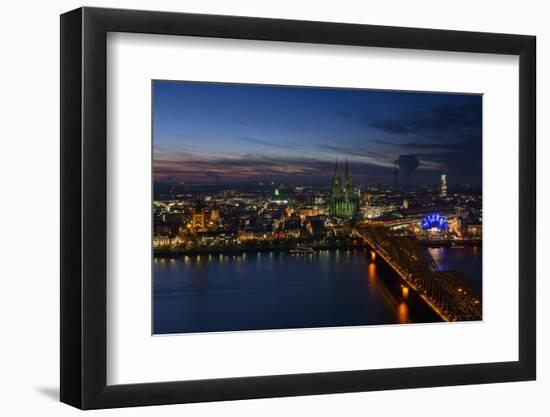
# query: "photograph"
[295,207]
[273,205]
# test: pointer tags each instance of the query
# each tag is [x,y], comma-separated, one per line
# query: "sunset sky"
[229,133]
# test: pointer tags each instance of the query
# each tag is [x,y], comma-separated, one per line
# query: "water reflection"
[403,313]
[372,271]
[277,291]
[465,259]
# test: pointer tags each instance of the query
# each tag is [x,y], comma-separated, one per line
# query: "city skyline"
[235,133]
[301,207]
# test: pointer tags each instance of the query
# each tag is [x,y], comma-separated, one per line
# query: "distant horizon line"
[299,183]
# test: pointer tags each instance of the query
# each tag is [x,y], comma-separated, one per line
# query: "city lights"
[289,207]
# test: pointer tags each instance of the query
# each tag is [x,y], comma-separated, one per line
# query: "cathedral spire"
[346,172]
[347,179]
[344,203]
[336,181]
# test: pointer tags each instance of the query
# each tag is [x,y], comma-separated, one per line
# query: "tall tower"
[198,216]
[443,186]
[347,179]
[336,181]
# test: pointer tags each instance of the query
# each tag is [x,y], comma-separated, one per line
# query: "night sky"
[231,133]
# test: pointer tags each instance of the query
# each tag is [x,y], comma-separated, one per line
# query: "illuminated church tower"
[336,180]
[344,203]
[347,180]
[198,216]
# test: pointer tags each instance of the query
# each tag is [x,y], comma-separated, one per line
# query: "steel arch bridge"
[450,294]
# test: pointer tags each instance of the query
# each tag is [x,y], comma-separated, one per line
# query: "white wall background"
[29,211]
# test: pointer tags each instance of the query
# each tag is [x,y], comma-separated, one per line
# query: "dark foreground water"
[281,291]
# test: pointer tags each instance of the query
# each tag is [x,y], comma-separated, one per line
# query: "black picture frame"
[84,207]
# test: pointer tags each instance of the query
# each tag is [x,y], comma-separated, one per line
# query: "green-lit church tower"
[344,203]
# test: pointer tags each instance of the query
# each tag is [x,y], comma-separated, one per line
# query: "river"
[277,290]
[465,259]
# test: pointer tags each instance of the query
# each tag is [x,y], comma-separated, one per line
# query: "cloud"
[446,138]
[214,176]
[258,141]
[274,143]
[255,167]
[441,122]
[465,165]
[422,145]
[407,163]
[378,158]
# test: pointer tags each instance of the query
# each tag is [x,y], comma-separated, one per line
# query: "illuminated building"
[367,197]
[344,203]
[411,219]
[214,215]
[198,216]
[443,186]
[309,212]
[161,241]
[371,212]
[474,230]
[434,223]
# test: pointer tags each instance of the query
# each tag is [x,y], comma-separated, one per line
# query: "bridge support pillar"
[372,255]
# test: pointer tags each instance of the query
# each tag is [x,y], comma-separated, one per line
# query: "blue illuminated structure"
[434,222]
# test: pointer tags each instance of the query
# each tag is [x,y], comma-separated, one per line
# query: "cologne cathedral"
[344,202]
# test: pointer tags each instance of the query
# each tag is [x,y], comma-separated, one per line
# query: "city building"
[344,202]
[309,212]
[198,216]
[443,186]
[215,214]
[160,241]
[474,231]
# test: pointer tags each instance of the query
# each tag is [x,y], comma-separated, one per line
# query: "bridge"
[451,295]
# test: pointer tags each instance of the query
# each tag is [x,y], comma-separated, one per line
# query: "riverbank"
[179,252]
[434,243]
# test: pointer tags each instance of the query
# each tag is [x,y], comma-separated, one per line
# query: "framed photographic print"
[258,208]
